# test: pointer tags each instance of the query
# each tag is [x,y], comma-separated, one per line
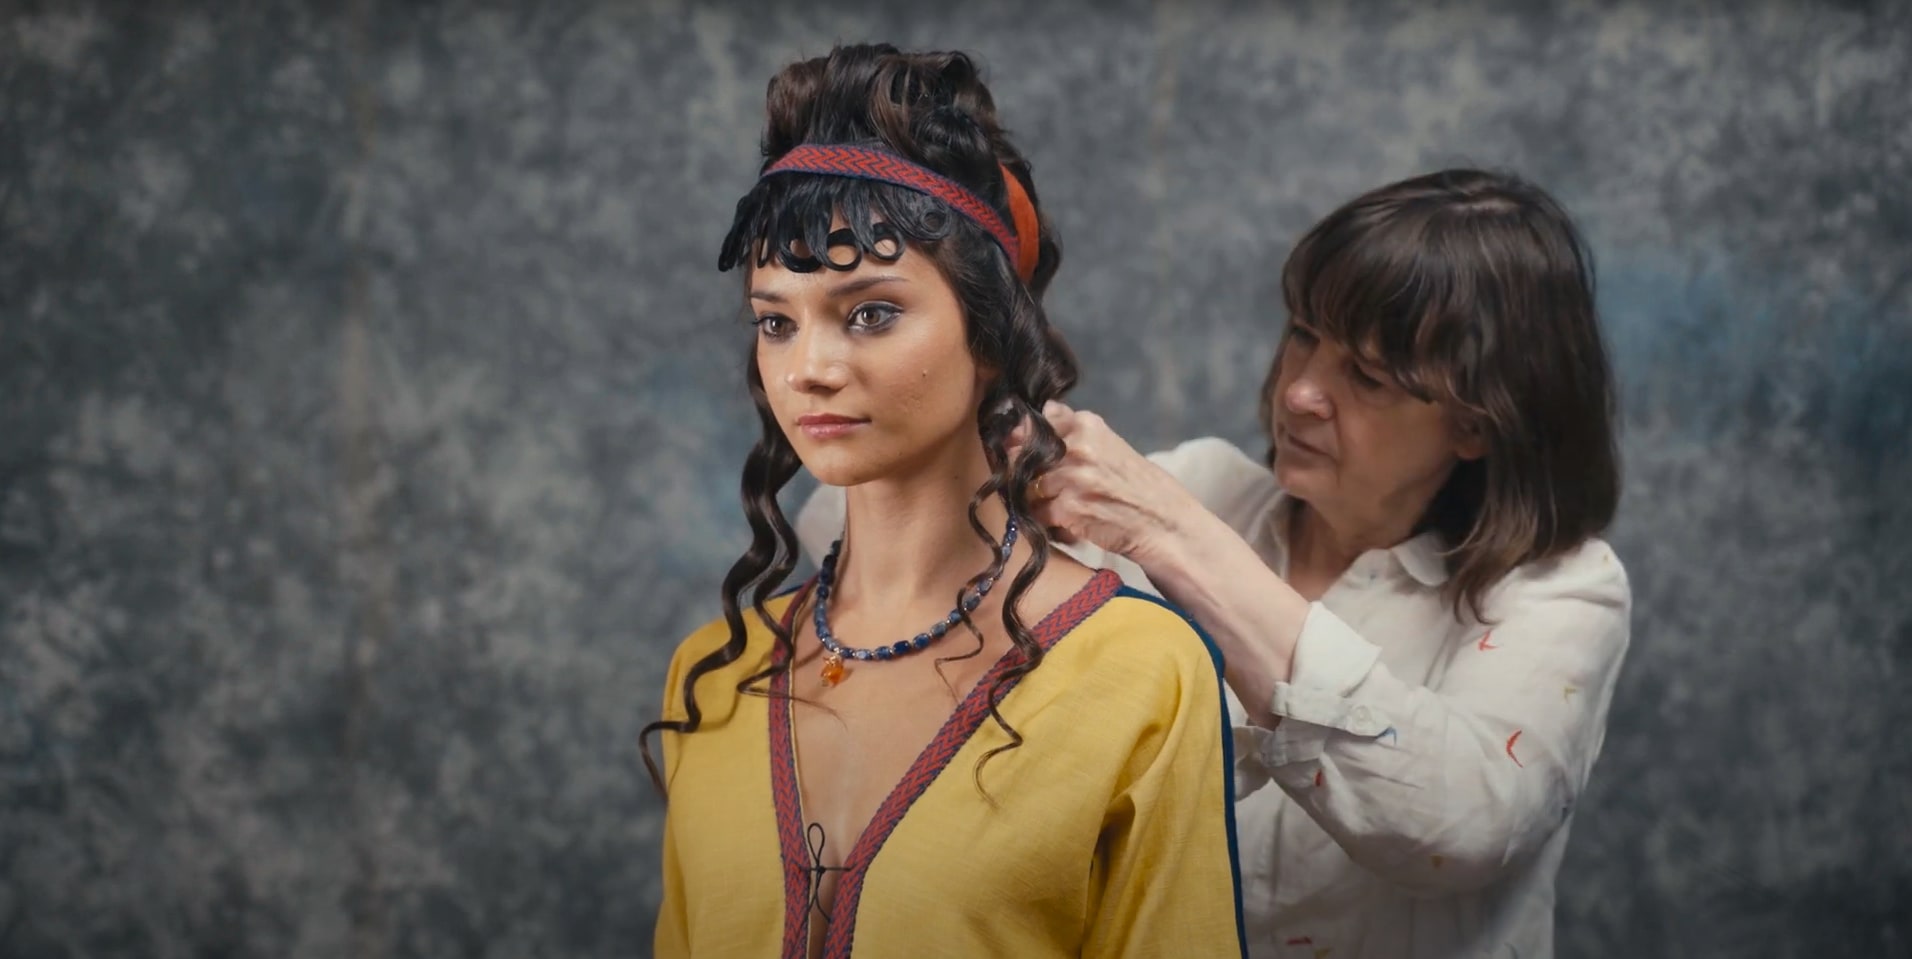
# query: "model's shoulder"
[714,635]
[1133,629]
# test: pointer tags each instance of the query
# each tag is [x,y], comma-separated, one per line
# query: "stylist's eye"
[871,317]
[772,326]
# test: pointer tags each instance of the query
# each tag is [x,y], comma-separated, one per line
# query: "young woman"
[1421,624]
[950,742]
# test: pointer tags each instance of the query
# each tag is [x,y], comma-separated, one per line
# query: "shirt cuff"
[1321,695]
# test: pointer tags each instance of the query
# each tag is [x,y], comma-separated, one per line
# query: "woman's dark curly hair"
[934,110]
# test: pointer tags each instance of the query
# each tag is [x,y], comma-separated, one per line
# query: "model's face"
[867,370]
[1348,439]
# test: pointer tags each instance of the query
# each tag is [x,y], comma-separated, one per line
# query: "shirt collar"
[1423,558]
[1420,555]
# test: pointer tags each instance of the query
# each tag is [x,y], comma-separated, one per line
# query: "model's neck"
[908,539]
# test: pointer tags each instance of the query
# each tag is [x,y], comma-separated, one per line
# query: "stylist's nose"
[1305,396]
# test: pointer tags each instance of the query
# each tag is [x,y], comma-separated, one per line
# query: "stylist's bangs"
[1394,294]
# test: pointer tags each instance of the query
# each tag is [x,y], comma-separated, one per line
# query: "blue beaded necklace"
[833,670]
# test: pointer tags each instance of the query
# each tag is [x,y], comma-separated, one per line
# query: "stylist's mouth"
[1286,439]
[826,426]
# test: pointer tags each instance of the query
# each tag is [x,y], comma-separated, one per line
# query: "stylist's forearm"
[1254,617]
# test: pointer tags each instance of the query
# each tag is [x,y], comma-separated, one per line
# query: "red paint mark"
[1486,643]
[1301,941]
[1317,778]
[1510,749]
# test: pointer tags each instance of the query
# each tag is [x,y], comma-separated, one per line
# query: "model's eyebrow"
[862,284]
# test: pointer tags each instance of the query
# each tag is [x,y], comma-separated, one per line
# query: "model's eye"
[773,326]
[870,317]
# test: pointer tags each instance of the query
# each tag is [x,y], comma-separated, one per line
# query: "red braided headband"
[867,164]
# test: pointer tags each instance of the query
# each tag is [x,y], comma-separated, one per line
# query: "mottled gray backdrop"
[372,417]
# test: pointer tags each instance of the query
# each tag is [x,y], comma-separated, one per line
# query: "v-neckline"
[956,730]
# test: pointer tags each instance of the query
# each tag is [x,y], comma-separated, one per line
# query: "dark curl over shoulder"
[934,110]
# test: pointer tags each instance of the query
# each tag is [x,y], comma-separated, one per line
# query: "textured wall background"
[372,412]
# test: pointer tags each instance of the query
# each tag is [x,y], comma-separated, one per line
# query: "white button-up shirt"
[1414,801]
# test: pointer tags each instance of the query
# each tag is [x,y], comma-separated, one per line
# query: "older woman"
[1421,628]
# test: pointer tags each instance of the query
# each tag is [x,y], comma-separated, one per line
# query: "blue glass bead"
[883,652]
[953,619]
[986,585]
[921,640]
[861,654]
[970,602]
[823,590]
[938,630]
[900,648]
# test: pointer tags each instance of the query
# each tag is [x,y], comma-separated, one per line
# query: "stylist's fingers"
[1018,438]
[1050,510]
[1055,497]
[1018,435]
[1084,431]
[1059,415]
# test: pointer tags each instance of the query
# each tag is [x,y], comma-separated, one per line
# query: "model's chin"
[835,466]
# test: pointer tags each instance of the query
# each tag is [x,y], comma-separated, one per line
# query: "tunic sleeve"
[1165,880]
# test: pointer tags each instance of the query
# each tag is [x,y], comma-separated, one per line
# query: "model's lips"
[823,426]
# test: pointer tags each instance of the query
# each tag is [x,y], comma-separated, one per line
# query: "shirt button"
[1368,567]
[1363,716]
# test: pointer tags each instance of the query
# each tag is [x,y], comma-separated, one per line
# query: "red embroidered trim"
[788,797]
[961,725]
[867,164]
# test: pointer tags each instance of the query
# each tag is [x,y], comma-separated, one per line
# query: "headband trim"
[863,163]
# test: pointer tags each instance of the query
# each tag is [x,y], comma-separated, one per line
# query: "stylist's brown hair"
[1475,290]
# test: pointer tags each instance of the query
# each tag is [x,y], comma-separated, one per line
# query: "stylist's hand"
[1103,491]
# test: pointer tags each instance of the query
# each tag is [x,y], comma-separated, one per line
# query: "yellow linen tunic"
[1111,832]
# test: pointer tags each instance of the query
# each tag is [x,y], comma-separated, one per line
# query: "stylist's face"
[867,370]
[1350,441]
